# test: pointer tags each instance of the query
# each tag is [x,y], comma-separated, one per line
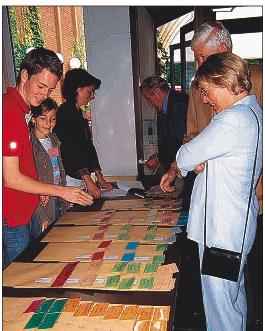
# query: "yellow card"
[113,312]
[142,326]
[158,326]
[83,309]
[145,313]
[71,305]
[161,313]
[129,313]
[99,309]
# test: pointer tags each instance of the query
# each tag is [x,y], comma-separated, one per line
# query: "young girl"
[46,151]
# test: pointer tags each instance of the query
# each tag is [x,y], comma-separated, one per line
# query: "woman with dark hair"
[78,152]
[46,152]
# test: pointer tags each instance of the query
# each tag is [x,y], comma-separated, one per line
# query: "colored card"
[152,228]
[119,267]
[98,256]
[88,280]
[113,312]
[98,236]
[161,313]
[167,213]
[150,236]
[57,306]
[142,326]
[99,309]
[161,247]
[49,321]
[159,259]
[146,283]
[45,306]
[34,306]
[64,274]
[113,281]
[126,226]
[128,257]
[158,326]
[103,227]
[150,267]
[132,245]
[123,236]
[126,283]
[134,267]
[71,305]
[105,244]
[166,221]
[83,309]
[150,219]
[171,239]
[34,321]
[129,313]
[145,313]
[152,212]
[105,219]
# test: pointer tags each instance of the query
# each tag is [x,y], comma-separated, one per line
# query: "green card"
[49,321]
[113,281]
[159,259]
[57,306]
[152,227]
[126,226]
[161,247]
[119,267]
[123,236]
[45,306]
[126,283]
[150,267]
[150,236]
[133,267]
[146,282]
[34,321]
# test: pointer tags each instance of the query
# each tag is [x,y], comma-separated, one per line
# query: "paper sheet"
[126,185]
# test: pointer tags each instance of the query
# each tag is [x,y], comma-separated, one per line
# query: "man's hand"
[167,179]
[92,187]
[44,199]
[76,195]
[199,168]
[152,163]
[103,184]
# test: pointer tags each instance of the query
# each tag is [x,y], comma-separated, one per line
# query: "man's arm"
[14,179]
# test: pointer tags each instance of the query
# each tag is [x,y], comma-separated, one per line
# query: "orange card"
[142,326]
[145,313]
[129,313]
[99,309]
[161,313]
[113,312]
[83,309]
[71,305]
[158,326]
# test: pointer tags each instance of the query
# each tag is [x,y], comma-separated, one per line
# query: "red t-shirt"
[18,206]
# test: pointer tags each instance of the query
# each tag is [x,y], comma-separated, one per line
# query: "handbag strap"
[250,192]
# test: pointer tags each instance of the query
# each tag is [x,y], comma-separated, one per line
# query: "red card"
[167,212]
[103,227]
[98,236]
[105,219]
[98,256]
[64,274]
[105,244]
[34,306]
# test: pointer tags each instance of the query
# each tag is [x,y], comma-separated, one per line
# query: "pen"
[139,195]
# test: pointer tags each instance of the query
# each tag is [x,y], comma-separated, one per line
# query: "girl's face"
[44,123]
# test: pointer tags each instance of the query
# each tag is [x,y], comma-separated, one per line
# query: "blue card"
[132,245]
[128,257]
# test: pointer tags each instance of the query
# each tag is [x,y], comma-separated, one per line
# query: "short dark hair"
[46,105]
[38,59]
[152,82]
[76,78]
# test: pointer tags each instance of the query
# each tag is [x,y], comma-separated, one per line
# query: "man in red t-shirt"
[39,74]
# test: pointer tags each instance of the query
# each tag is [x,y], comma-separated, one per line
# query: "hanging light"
[75,63]
[60,57]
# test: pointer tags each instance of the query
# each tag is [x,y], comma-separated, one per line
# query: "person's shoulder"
[179,96]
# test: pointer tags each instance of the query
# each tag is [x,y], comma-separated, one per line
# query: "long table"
[172,255]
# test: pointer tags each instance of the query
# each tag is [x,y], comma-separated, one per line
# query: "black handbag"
[222,263]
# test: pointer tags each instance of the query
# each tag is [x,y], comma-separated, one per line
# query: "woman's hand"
[199,168]
[103,184]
